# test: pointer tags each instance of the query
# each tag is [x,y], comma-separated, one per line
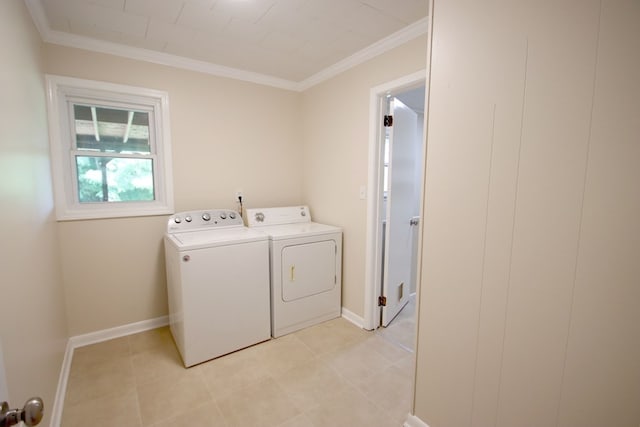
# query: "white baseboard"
[118,331]
[93,338]
[353,318]
[61,391]
[413,421]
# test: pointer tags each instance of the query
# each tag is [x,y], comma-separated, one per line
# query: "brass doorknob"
[31,414]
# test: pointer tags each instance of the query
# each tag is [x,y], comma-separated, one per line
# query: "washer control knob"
[188,218]
[206,216]
[259,216]
[223,215]
[232,215]
[177,220]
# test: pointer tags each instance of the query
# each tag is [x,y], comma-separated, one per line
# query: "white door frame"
[373,262]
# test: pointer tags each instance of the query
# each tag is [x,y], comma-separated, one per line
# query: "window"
[110,149]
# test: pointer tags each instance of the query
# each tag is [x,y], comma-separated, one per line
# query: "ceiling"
[285,43]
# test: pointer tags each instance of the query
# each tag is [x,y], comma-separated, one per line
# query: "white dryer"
[306,267]
[218,284]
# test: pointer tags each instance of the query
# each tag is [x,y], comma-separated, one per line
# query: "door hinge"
[388,121]
[382,301]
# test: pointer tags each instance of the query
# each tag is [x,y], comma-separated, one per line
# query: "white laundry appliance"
[306,267]
[217,283]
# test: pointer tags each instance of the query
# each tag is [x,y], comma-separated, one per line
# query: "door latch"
[31,414]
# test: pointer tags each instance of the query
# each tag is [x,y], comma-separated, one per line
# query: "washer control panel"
[211,218]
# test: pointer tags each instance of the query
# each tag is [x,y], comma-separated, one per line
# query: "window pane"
[108,179]
[111,130]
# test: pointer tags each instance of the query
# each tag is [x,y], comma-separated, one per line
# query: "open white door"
[400,210]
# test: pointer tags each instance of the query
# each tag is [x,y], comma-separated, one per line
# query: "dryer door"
[308,269]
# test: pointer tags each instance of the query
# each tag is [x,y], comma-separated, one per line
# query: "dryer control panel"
[278,216]
[206,219]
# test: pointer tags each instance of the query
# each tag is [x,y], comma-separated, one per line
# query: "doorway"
[396,162]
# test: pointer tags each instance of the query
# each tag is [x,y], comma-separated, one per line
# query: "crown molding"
[161,58]
[81,42]
[396,39]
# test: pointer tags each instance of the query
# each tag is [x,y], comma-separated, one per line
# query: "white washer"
[306,267]
[218,284]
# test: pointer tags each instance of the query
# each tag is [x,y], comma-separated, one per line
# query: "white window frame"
[61,91]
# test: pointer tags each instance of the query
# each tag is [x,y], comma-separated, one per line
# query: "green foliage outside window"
[108,179]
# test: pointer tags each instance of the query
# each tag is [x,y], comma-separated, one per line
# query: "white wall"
[226,135]
[529,305]
[76,277]
[32,318]
[335,126]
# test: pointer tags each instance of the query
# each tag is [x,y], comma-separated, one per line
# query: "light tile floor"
[329,375]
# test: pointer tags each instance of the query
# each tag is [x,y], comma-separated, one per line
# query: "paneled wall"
[531,282]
